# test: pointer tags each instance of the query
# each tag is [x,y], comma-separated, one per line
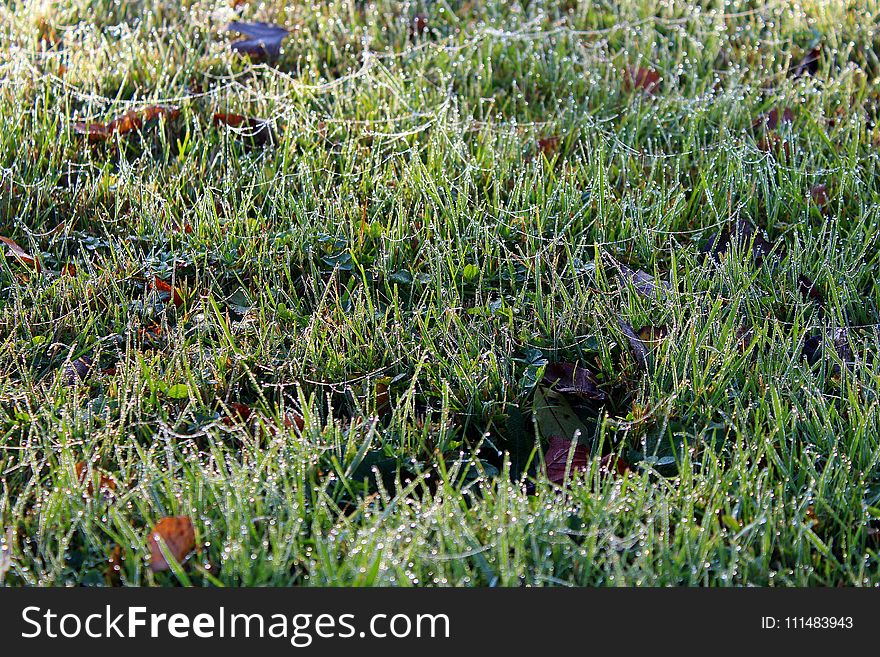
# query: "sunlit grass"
[438,216]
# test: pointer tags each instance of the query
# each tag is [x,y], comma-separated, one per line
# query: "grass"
[438,216]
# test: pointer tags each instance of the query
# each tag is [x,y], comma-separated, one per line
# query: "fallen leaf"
[643,79]
[826,344]
[179,537]
[164,288]
[129,122]
[554,416]
[741,234]
[771,119]
[808,64]
[809,290]
[569,378]
[562,459]
[549,146]
[239,413]
[76,371]
[106,483]
[652,334]
[20,254]
[819,195]
[263,41]
[69,270]
[419,25]
[637,347]
[257,131]
[114,566]
[613,464]
[645,284]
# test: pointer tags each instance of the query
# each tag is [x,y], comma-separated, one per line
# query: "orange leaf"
[165,288]
[69,270]
[259,132]
[106,483]
[128,122]
[21,255]
[179,537]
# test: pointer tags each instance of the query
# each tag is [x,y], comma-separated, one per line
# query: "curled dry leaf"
[740,235]
[129,122]
[257,131]
[809,290]
[637,347]
[613,464]
[20,254]
[106,483]
[569,378]
[77,371]
[419,25]
[179,537]
[263,41]
[114,566]
[652,334]
[827,344]
[166,291]
[645,284]
[819,195]
[640,78]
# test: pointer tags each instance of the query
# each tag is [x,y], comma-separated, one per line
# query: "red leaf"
[179,536]
[612,464]
[556,459]
[573,379]
[21,255]
[238,413]
[165,288]
[643,79]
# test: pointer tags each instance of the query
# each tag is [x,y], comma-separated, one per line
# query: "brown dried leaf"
[643,79]
[20,254]
[131,121]
[257,131]
[556,458]
[179,536]
[106,483]
[819,195]
[77,371]
[741,234]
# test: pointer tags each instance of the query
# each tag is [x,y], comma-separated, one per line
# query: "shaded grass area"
[338,384]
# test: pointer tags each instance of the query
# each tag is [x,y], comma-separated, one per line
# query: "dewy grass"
[436,216]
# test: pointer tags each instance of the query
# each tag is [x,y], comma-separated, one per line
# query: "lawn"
[439,293]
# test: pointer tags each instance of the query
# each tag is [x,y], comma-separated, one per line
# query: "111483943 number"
[817,622]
